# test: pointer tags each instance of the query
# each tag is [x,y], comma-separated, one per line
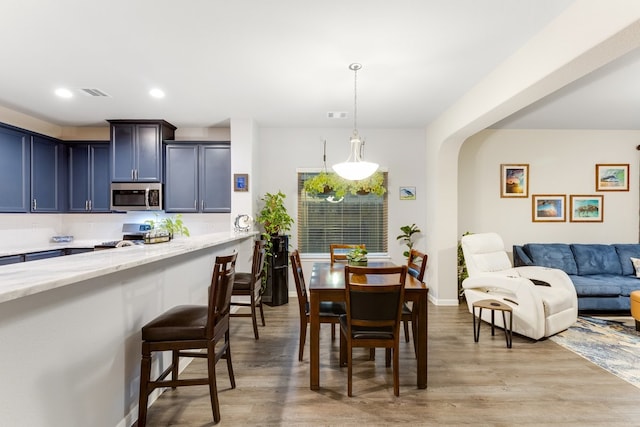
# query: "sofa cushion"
[625,252]
[596,286]
[636,265]
[596,259]
[552,255]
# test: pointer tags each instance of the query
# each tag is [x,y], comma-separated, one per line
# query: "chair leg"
[227,355]
[175,364]
[303,338]
[387,357]
[333,331]
[262,313]
[213,388]
[406,330]
[145,377]
[254,319]
[396,372]
[349,370]
[414,330]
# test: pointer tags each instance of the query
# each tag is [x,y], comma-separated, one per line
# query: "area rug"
[611,343]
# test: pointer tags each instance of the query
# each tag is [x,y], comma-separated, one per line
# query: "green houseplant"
[171,224]
[373,184]
[274,216]
[357,256]
[325,184]
[407,236]
[462,268]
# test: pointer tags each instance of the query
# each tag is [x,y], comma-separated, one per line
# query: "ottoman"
[635,307]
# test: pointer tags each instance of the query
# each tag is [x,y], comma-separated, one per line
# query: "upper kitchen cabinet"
[89,179]
[48,175]
[14,170]
[198,177]
[136,149]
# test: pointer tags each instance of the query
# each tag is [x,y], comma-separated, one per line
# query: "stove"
[134,235]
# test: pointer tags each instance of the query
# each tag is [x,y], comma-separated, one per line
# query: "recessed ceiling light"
[156,93]
[64,93]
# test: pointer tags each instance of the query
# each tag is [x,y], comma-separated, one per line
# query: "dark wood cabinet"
[198,177]
[89,179]
[136,149]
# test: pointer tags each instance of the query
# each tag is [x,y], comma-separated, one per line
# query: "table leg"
[422,341]
[314,324]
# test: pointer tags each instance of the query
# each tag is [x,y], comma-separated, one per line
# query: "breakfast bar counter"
[70,326]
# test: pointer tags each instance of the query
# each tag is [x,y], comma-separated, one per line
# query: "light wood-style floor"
[534,383]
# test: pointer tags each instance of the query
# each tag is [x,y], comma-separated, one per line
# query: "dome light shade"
[355,168]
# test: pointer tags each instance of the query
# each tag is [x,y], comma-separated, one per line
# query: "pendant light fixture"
[355,168]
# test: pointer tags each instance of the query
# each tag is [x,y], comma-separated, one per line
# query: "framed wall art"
[612,177]
[407,193]
[588,208]
[548,207]
[240,182]
[514,180]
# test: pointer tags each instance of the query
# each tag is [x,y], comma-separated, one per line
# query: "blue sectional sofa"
[603,275]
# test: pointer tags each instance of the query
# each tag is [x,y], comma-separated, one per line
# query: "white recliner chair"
[540,309]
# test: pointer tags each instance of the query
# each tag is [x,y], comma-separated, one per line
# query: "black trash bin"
[277,289]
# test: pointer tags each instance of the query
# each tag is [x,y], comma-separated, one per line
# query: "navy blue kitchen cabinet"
[136,149]
[48,175]
[89,178]
[15,152]
[198,177]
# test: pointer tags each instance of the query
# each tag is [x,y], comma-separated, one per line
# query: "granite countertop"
[27,278]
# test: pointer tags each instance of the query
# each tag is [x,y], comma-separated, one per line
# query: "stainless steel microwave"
[136,196]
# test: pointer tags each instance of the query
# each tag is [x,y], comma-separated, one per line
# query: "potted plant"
[325,184]
[407,236]
[171,224]
[462,268]
[274,216]
[357,256]
[373,184]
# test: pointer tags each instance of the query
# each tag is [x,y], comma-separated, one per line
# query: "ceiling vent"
[94,92]
[336,115]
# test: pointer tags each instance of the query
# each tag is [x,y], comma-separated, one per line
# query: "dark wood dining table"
[327,284]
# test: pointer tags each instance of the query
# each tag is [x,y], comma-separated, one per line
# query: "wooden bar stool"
[493,305]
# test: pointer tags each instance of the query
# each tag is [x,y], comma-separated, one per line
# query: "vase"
[358,263]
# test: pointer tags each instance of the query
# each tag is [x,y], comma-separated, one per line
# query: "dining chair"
[250,284]
[329,311]
[186,328]
[416,266]
[374,298]
[339,251]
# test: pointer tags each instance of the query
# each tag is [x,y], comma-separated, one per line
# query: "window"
[355,219]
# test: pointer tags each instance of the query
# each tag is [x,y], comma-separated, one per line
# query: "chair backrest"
[339,251]
[220,291]
[257,266]
[417,264]
[485,253]
[298,277]
[374,296]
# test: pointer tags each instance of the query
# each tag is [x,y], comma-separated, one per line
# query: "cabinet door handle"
[86,205]
[195,204]
[35,204]
[133,175]
[202,206]
[90,205]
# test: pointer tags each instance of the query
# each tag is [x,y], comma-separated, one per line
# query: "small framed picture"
[514,180]
[407,193]
[612,177]
[587,208]
[240,182]
[548,207]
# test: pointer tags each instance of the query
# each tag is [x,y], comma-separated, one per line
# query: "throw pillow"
[636,265]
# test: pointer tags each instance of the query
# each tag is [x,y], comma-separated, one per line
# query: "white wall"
[560,162]
[400,151]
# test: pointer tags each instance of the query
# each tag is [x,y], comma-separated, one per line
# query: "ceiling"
[284,63]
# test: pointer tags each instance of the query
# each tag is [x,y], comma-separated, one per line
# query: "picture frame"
[514,180]
[407,193]
[612,177]
[587,208]
[548,207]
[240,182]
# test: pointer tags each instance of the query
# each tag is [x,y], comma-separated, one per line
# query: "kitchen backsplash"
[24,230]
